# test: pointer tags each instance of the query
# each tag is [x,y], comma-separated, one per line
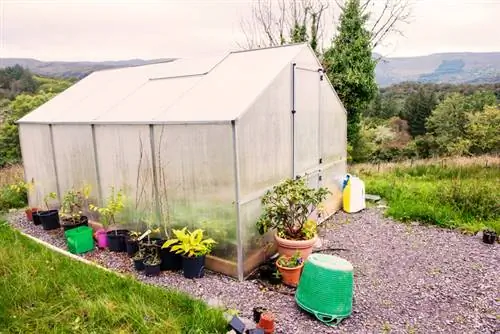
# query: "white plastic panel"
[232,86]
[306,120]
[75,160]
[38,161]
[195,169]
[125,162]
[149,100]
[333,125]
[265,138]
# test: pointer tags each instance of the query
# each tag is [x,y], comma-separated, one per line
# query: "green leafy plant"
[293,261]
[113,207]
[73,202]
[190,244]
[139,255]
[50,196]
[152,260]
[287,208]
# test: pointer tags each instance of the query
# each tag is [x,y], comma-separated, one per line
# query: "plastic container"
[79,239]
[102,238]
[49,219]
[353,195]
[326,288]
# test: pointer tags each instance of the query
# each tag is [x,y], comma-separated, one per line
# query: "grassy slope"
[42,291]
[465,197]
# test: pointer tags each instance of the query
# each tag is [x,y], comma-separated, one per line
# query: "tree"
[418,107]
[10,151]
[351,68]
[279,22]
[483,130]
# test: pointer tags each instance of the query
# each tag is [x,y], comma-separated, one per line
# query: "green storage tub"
[80,239]
[326,288]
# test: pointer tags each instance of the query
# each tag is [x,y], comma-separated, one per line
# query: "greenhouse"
[196,141]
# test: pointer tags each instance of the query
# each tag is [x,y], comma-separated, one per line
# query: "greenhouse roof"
[215,89]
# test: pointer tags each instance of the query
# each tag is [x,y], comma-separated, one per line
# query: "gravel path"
[408,279]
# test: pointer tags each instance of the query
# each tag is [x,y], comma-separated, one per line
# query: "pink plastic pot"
[102,238]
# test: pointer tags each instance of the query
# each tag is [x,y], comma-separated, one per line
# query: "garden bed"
[408,278]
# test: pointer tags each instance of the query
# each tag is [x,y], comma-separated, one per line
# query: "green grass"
[42,291]
[464,197]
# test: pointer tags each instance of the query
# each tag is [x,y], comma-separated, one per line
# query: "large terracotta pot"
[290,276]
[288,247]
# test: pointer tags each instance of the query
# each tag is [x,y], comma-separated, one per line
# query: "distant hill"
[67,69]
[467,67]
[475,68]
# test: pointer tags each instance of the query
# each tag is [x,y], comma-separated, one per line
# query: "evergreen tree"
[351,68]
[418,107]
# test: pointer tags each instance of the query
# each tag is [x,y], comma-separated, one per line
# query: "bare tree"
[278,22]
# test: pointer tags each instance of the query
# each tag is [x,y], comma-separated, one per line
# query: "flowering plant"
[291,262]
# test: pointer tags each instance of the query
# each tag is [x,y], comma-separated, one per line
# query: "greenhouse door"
[306,124]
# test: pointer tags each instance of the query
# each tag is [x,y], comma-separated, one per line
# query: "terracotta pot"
[290,276]
[29,213]
[266,322]
[288,247]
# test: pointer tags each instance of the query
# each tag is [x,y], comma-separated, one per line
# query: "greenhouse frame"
[196,141]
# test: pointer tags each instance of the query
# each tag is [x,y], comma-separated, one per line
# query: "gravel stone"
[409,278]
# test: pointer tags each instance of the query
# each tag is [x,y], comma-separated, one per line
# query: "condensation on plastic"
[74,155]
[125,162]
[195,171]
[38,161]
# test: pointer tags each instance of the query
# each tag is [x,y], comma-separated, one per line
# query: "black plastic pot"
[132,246]
[152,270]
[49,219]
[257,312]
[139,264]
[169,260]
[36,218]
[489,237]
[116,240]
[69,224]
[275,280]
[193,267]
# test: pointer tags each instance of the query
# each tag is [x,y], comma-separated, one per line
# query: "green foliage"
[293,261]
[462,197]
[351,68]
[14,195]
[90,300]
[418,107]
[10,151]
[483,130]
[189,243]
[287,207]
[114,205]
[74,202]
[15,80]
[48,198]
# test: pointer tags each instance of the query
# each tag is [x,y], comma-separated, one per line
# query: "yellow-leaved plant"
[188,243]
[114,205]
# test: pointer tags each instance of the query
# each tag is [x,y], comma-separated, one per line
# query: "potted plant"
[131,242]
[489,236]
[49,218]
[138,259]
[290,268]
[193,249]
[74,201]
[114,205]
[152,265]
[287,209]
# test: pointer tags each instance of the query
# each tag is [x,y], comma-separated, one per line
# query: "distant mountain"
[70,69]
[464,67]
[467,67]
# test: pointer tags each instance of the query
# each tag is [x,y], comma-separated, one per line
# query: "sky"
[126,29]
